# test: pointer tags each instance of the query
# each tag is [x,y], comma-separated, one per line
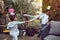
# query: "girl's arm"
[7,26]
[17,22]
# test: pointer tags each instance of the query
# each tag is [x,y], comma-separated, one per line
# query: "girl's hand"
[27,21]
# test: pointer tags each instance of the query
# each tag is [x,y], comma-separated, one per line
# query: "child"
[13,27]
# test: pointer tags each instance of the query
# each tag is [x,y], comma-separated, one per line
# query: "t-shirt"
[44,18]
[13,27]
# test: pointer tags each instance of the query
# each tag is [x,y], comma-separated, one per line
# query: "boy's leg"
[42,25]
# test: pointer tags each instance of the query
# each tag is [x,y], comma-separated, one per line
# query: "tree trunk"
[2,15]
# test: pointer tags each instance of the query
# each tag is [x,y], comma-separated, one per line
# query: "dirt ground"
[7,37]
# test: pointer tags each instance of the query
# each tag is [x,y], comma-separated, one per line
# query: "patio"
[6,37]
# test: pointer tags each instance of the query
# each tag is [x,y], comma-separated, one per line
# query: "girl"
[13,27]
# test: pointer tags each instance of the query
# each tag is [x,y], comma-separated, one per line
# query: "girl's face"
[15,19]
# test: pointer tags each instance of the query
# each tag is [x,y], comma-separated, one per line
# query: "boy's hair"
[47,10]
[12,17]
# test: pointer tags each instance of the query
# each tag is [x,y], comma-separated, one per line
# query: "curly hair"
[12,17]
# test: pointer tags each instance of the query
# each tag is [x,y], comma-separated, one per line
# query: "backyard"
[30,7]
[7,37]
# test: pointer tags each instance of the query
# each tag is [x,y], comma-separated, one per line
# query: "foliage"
[54,14]
[20,5]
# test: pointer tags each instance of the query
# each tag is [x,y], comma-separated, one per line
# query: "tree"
[55,8]
[2,15]
[1,6]
[20,6]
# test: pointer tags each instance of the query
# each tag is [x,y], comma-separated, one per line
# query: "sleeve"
[10,26]
[17,22]
[41,16]
[48,18]
[7,26]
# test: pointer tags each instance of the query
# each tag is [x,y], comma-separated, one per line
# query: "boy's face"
[47,12]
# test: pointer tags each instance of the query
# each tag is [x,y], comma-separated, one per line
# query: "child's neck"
[14,20]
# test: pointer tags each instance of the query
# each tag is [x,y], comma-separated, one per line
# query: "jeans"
[42,25]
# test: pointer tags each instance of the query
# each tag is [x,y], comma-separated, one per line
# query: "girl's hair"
[12,17]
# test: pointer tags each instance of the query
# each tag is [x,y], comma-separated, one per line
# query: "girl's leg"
[15,37]
[12,38]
